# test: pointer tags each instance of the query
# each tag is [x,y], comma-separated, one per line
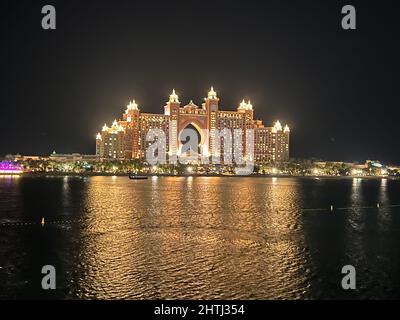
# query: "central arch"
[194,130]
[190,131]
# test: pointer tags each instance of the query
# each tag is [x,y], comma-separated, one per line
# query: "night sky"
[338,90]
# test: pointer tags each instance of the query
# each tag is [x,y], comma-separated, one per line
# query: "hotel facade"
[127,138]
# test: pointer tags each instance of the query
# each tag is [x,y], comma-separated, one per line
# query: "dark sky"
[337,89]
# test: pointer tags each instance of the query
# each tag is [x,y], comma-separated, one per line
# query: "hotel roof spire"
[173,97]
[278,126]
[132,105]
[286,129]
[212,94]
[243,105]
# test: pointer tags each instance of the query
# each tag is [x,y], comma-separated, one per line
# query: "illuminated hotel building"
[126,138]
[271,144]
[110,142]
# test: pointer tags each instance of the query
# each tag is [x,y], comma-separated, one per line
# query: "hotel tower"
[126,138]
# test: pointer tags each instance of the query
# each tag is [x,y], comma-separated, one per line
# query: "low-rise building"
[60,157]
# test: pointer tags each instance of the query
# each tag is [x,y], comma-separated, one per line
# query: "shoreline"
[104,174]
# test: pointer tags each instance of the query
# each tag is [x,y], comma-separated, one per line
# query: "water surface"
[199,237]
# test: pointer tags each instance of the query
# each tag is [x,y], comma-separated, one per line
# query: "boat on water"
[136,177]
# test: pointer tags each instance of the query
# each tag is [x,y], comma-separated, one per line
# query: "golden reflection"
[9,176]
[383,192]
[184,238]
[384,215]
[105,265]
[286,256]
[356,192]
[66,192]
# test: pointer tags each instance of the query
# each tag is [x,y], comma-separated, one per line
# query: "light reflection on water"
[189,237]
[201,237]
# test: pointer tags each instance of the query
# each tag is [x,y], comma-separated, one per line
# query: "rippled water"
[199,237]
